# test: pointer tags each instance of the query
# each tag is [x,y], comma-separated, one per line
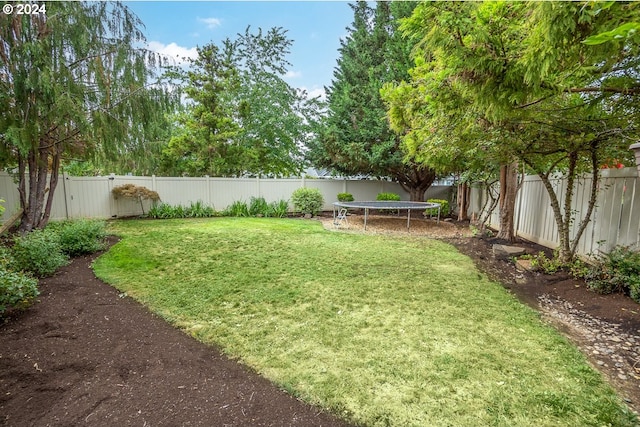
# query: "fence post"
[208,190]
[112,202]
[64,193]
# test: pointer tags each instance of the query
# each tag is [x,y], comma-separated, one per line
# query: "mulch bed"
[86,355]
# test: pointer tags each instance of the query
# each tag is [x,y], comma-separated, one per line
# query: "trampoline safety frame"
[386,204]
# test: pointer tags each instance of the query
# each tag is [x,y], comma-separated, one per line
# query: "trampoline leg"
[366,212]
[408,217]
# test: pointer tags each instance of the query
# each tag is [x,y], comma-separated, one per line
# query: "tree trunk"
[53,183]
[417,194]
[35,210]
[489,206]
[415,180]
[463,201]
[568,247]
[508,191]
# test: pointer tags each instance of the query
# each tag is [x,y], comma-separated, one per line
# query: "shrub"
[6,258]
[617,271]
[279,209]
[194,210]
[82,237]
[17,290]
[444,208]
[39,253]
[258,206]
[237,208]
[345,197]
[136,192]
[307,200]
[388,196]
[542,262]
[133,191]
[391,197]
[161,211]
[199,210]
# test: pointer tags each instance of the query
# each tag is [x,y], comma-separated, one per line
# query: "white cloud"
[172,50]
[293,74]
[211,22]
[315,92]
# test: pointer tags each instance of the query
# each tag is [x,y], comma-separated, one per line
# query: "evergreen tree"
[355,137]
[244,119]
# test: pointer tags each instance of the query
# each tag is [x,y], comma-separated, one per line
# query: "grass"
[381,331]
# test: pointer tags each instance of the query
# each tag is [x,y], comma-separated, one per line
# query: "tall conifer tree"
[356,137]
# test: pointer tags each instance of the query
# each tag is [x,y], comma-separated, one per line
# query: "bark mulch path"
[85,355]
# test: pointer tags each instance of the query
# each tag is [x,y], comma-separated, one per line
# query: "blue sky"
[316,27]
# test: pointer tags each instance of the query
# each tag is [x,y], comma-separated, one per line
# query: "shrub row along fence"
[614,222]
[91,197]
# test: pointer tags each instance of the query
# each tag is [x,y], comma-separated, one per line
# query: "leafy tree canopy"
[73,83]
[243,117]
[516,79]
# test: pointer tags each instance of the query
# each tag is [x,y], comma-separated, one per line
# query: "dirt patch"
[397,225]
[87,355]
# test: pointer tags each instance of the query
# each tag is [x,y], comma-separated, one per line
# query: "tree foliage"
[244,118]
[73,83]
[355,136]
[517,78]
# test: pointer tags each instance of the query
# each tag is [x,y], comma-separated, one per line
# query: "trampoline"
[386,204]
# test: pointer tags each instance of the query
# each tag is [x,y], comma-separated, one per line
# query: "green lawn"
[382,331]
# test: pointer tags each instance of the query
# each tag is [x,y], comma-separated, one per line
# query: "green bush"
[82,236]
[39,253]
[17,290]
[307,200]
[6,258]
[278,209]
[160,211]
[194,210]
[388,196]
[345,197]
[444,208]
[541,261]
[258,206]
[617,271]
[199,210]
[238,209]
